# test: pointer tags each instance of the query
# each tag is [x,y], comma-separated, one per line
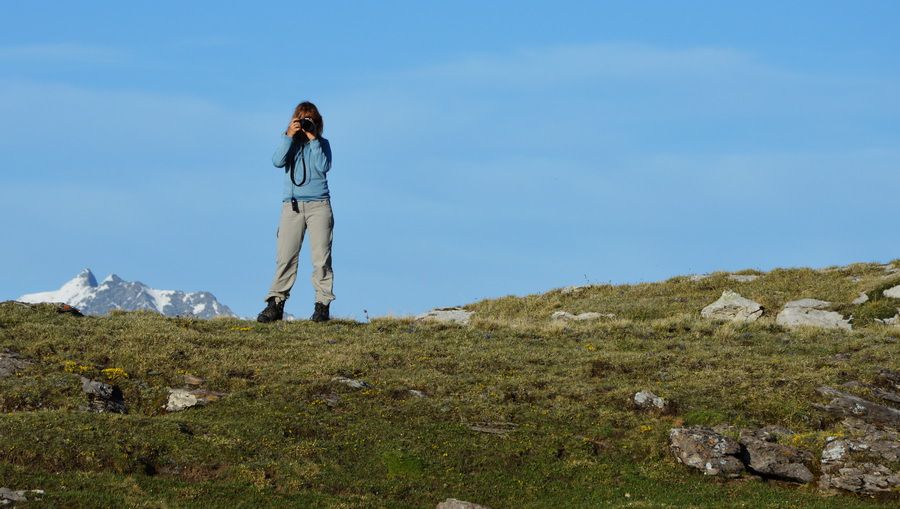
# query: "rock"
[11,363]
[699,277]
[193,380]
[573,289]
[848,405]
[66,309]
[894,320]
[706,450]
[181,399]
[775,460]
[810,312]
[350,382]
[860,463]
[770,433]
[565,316]
[733,307]
[808,304]
[447,315]
[648,400]
[743,278]
[103,397]
[862,299]
[417,393]
[8,496]
[452,503]
[889,377]
[893,292]
[494,428]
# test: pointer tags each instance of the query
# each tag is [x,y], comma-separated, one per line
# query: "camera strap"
[293,165]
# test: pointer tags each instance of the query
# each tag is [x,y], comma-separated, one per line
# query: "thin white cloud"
[63,52]
[555,64]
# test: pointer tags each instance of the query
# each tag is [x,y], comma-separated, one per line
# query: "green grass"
[561,391]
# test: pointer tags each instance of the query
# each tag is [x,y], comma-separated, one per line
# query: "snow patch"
[161,298]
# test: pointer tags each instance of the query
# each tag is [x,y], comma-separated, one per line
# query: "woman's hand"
[294,128]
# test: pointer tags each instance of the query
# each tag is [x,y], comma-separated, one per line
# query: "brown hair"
[307,109]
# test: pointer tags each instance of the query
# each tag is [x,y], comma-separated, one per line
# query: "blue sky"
[480,149]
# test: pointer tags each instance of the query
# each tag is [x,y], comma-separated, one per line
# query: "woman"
[306,205]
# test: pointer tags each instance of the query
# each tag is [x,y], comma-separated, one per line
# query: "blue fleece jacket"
[317,154]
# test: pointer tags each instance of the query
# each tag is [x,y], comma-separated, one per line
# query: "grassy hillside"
[519,411]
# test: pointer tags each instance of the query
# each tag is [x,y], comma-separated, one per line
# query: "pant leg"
[320,221]
[291,228]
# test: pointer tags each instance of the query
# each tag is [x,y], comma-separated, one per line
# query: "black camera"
[308,125]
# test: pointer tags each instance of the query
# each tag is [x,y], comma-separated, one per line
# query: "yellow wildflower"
[114,373]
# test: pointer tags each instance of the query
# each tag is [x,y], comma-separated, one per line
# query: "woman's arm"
[319,154]
[279,158]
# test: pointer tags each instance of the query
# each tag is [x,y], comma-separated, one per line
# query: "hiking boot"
[273,312]
[321,313]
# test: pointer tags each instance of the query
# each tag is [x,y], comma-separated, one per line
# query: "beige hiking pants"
[316,216]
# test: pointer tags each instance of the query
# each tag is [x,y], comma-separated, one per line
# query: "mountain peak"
[84,293]
[84,278]
[112,278]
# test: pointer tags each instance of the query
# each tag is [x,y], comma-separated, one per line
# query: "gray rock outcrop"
[893,292]
[646,400]
[11,363]
[565,316]
[770,459]
[731,306]
[743,278]
[847,405]
[811,313]
[862,299]
[182,399]
[706,450]
[452,503]
[447,315]
[351,382]
[861,463]
[8,496]
[103,397]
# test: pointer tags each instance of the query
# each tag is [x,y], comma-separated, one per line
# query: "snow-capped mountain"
[91,298]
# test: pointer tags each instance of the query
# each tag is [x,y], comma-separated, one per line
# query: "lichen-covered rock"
[8,496]
[861,463]
[103,397]
[648,400]
[181,399]
[731,306]
[862,299]
[893,292]
[848,405]
[351,382]
[11,363]
[811,313]
[447,315]
[706,450]
[743,278]
[565,316]
[771,459]
[452,503]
